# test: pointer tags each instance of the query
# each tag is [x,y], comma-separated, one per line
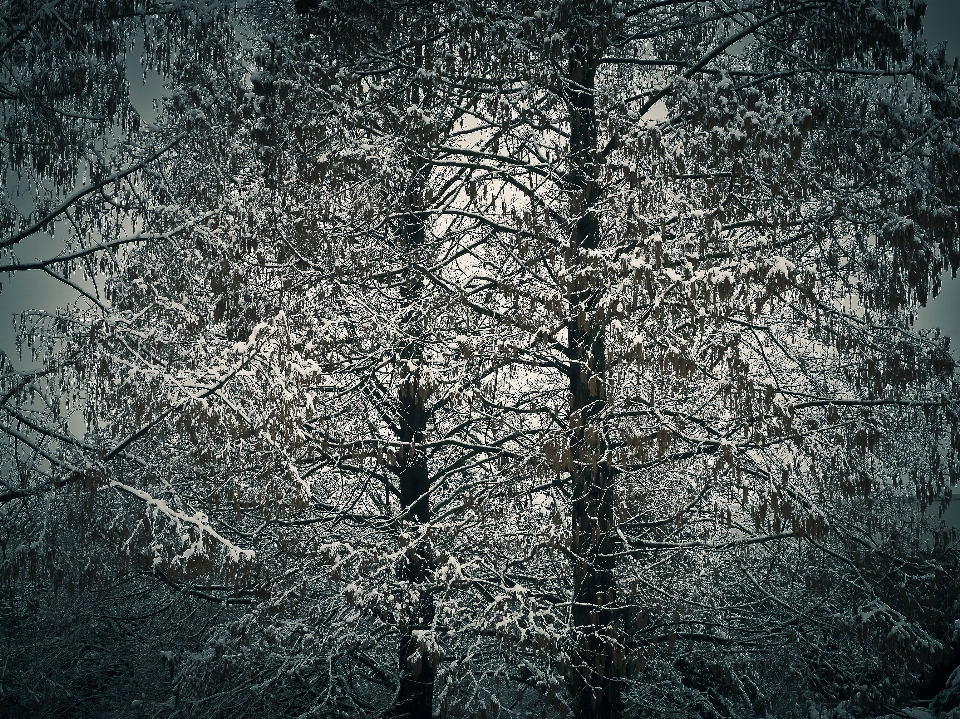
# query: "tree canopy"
[501,359]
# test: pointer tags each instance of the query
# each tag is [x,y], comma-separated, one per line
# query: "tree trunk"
[415,696]
[594,684]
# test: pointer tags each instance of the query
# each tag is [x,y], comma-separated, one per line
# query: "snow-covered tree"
[82,169]
[713,265]
[533,357]
[74,149]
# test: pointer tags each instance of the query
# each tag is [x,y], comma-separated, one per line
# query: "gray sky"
[36,290]
[942,24]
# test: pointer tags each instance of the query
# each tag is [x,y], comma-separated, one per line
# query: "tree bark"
[593,677]
[415,696]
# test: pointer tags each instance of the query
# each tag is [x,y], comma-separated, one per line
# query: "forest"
[458,358]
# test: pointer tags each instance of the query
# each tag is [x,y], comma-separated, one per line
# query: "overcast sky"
[36,290]
[942,24]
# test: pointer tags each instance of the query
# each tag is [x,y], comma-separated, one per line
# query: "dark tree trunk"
[415,696]
[593,680]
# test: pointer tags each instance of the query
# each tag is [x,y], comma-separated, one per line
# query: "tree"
[715,247]
[78,159]
[211,348]
[564,351]
[74,147]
